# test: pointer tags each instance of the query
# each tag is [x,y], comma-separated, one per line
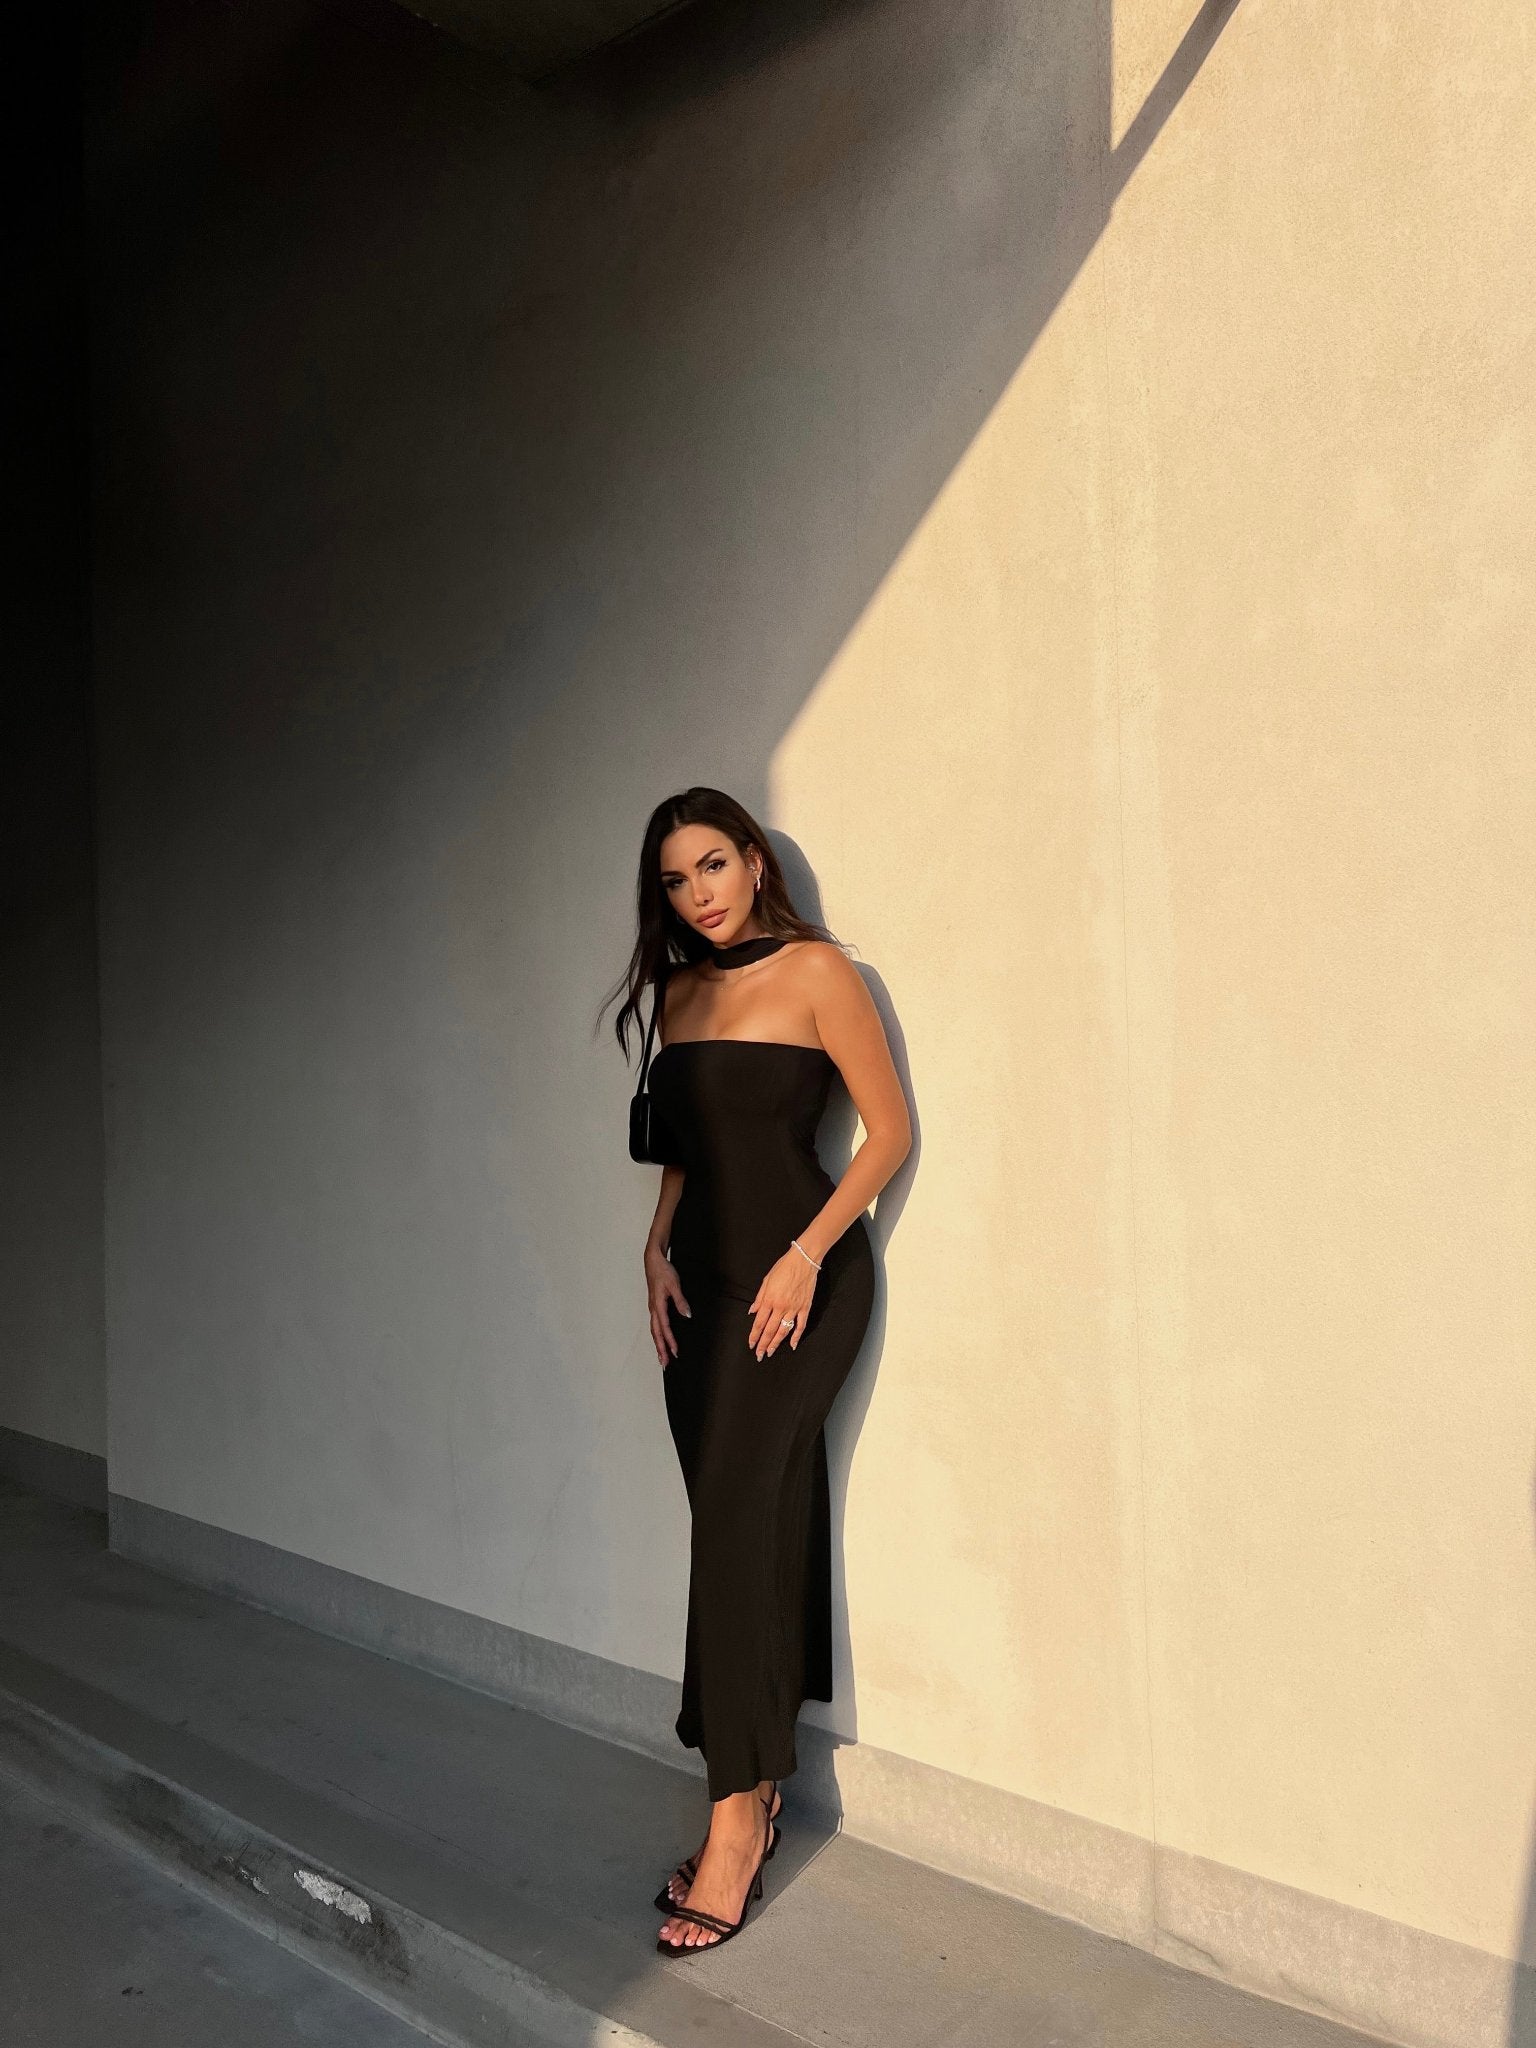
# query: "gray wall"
[52,1372]
[478,464]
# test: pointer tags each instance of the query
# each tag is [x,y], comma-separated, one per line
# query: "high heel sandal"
[725,1929]
[689,1867]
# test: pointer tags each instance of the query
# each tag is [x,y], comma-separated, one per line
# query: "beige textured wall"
[1075,477]
[1194,827]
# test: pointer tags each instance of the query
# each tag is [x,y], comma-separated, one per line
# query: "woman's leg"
[679,1882]
[738,1838]
[748,1438]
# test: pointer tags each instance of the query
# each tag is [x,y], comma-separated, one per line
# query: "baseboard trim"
[57,1470]
[1397,1983]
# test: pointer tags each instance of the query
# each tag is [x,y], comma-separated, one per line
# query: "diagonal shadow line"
[1179,73]
[673,61]
[930,365]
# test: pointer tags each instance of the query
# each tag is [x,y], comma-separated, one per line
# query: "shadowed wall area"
[52,1374]
[1066,474]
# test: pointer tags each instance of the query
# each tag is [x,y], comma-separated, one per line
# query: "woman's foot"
[734,1848]
[682,1878]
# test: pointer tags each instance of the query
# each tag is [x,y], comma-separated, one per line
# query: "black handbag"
[648,1142]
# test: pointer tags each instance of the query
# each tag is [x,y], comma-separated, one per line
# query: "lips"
[717,918]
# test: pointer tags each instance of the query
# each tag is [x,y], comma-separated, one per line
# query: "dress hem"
[777,1771]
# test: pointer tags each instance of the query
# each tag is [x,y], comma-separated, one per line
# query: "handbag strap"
[650,1030]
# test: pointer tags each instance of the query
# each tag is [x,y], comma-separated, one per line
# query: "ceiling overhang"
[537,36]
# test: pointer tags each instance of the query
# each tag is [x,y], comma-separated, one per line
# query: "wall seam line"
[1117,675]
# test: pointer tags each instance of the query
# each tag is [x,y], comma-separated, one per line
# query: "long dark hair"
[662,940]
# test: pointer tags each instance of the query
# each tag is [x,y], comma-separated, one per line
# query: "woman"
[769,1267]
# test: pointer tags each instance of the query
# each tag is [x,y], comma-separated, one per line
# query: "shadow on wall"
[594,414]
[479,454]
[816,1789]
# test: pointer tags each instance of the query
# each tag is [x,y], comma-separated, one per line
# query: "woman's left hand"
[786,1291]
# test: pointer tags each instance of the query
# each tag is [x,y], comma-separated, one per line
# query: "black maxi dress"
[741,1117]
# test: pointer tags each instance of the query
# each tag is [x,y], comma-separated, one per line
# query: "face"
[709,883]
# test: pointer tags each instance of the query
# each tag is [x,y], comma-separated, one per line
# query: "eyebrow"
[698,863]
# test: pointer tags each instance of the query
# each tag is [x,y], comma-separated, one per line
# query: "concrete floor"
[98,1946]
[510,1861]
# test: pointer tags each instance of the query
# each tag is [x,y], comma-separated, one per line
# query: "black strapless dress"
[742,1116]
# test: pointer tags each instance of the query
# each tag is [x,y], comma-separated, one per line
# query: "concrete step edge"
[450,1988]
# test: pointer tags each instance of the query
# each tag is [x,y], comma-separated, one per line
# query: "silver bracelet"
[800,1248]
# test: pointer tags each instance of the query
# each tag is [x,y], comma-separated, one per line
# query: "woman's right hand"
[662,1286]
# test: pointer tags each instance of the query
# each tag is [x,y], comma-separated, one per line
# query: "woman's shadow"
[813,1791]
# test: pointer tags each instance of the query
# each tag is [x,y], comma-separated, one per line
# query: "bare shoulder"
[836,990]
[827,969]
[851,1030]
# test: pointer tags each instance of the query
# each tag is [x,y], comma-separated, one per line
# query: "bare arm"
[662,1286]
[852,1033]
[850,1029]
[659,1237]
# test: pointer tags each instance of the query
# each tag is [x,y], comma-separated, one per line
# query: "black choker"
[747,951]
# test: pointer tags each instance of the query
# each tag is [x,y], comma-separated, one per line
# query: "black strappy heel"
[689,1867]
[723,1928]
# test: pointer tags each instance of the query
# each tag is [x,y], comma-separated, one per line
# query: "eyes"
[709,869]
